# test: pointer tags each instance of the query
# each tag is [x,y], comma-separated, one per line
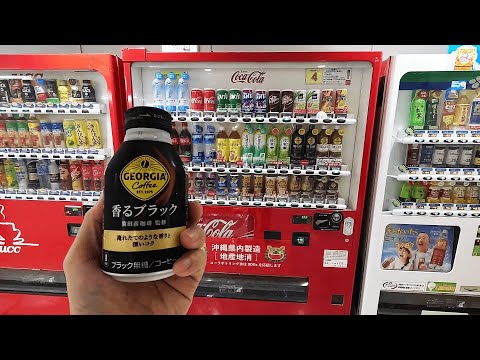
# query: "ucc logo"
[11,241]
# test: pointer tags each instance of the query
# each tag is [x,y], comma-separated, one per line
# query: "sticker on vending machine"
[418,247]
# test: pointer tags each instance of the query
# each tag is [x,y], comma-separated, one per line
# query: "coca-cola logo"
[197,100]
[254,77]
[218,228]
[209,100]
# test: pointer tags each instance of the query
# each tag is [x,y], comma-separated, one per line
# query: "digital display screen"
[301,219]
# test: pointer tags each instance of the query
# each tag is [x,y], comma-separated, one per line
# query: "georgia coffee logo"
[253,77]
[144,177]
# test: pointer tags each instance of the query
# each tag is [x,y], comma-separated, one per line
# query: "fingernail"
[184,265]
[188,233]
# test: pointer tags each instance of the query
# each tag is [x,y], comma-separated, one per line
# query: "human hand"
[91,291]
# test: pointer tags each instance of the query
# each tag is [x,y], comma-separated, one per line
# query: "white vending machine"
[422,234]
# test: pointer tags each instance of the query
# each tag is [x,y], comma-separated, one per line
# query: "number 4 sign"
[313,76]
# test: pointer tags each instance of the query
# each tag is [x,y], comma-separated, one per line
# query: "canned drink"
[258,187]
[294,185]
[58,135]
[273,100]
[94,136]
[70,133]
[97,172]
[196,99]
[87,176]
[234,188]
[210,184]
[199,185]
[341,101]
[246,188]
[306,186]
[76,174]
[300,102]
[222,186]
[287,101]
[320,189]
[260,101]
[282,190]
[82,133]
[332,191]
[209,100]
[247,100]
[326,101]
[313,101]
[222,99]
[270,183]
[235,99]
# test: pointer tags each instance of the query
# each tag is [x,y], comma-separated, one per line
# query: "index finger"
[195,211]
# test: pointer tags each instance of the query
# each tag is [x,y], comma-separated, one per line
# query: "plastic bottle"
[406,192]
[418,109]
[210,148]
[198,146]
[311,138]
[260,145]
[54,175]
[33,182]
[336,143]
[11,174]
[234,145]
[171,94]
[462,110]
[185,147]
[247,146]
[158,90]
[175,138]
[21,172]
[183,92]
[222,145]
[43,176]
[298,145]
[147,173]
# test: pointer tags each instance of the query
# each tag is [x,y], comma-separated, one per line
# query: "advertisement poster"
[418,247]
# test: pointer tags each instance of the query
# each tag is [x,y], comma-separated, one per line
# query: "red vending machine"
[59,125]
[276,146]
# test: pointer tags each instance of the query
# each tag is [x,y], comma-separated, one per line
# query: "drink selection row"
[263,145]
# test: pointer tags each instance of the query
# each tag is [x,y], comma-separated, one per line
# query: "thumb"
[88,242]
